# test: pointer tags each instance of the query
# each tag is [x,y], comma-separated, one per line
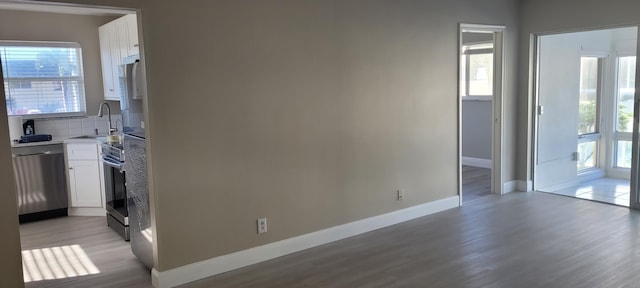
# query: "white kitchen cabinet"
[84,183]
[118,45]
[84,175]
[111,60]
[131,22]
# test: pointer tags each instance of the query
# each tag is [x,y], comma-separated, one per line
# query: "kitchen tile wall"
[76,126]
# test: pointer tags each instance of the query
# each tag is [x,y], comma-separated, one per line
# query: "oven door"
[115,190]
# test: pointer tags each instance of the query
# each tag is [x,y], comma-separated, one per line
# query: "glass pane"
[623,154]
[38,97]
[588,95]
[463,75]
[625,90]
[481,74]
[40,61]
[42,80]
[587,155]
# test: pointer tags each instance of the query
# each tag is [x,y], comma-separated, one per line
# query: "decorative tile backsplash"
[77,126]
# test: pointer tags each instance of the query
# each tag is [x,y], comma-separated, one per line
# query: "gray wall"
[313,112]
[544,16]
[476,129]
[35,26]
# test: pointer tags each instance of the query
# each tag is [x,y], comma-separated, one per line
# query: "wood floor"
[108,262]
[476,183]
[516,240]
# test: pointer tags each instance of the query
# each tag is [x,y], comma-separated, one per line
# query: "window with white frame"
[43,79]
[476,64]
[625,89]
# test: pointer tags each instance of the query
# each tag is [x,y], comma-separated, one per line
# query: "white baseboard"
[524,186]
[592,175]
[509,187]
[85,211]
[221,264]
[476,162]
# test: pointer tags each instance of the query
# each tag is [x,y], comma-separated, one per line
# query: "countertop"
[61,140]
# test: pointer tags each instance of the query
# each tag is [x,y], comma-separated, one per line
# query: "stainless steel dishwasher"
[40,181]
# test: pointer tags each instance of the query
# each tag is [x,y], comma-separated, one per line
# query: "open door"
[558,95]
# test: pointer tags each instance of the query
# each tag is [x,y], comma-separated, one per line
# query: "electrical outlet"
[400,194]
[262,225]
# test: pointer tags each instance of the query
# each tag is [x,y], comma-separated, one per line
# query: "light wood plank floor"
[517,240]
[476,183]
[105,250]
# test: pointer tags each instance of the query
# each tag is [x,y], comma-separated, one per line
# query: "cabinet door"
[116,62]
[132,34]
[84,184]
[108,82]
[111,60]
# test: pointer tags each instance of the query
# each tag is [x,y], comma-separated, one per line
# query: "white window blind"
[43,79]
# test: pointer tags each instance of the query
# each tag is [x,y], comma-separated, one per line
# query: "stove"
[115,188]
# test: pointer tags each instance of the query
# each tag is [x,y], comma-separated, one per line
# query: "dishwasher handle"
[36,154]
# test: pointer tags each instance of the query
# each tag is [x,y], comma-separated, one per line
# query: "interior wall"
[37,26]
[476,129]
[545,16]
[11,261]
[309,113]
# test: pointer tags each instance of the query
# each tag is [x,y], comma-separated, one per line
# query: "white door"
[558,97]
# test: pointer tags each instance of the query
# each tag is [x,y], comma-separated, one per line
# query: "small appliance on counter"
[29,127]
[35,138]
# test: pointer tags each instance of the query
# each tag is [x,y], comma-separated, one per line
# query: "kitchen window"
[43,79]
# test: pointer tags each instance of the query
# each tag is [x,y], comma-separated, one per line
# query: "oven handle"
[111,163]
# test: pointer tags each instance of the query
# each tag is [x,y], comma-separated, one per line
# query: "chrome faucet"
[111,129]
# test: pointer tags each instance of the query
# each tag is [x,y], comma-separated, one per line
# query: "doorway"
[585,86]
[79,250]
[480,108]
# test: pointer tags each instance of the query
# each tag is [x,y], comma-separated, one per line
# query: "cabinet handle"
[70,168]
[111,90]
[136,45]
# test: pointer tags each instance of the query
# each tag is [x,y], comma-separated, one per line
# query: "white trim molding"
[221,264]
[476,162]
[524,186]
[510,186]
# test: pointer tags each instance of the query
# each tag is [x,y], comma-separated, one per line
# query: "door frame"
[497,131]
[634,192]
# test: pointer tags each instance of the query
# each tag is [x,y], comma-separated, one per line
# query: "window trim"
[80,78]
[619,136]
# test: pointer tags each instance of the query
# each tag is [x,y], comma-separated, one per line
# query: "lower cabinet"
[85,180]
[84,183]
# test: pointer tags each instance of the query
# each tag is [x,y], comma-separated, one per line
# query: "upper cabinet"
[118,46]
[131,22]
